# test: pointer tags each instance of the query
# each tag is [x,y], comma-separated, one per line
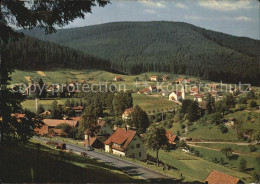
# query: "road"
[128,167]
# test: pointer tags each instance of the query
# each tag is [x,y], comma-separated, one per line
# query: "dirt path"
[212,142]
[214,149]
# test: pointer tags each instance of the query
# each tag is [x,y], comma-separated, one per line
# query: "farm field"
[194,168]
[53,169]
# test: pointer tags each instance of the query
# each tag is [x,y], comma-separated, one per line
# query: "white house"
[153,88]
[126,143]
[177,95]
[154,78]
[127,114]
[198,97]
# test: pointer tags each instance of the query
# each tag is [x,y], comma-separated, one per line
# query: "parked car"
[61,146]
[89,148]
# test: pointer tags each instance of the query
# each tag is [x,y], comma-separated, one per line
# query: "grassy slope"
[252,163]
[194,168]
[244,149]
[91,76]
[19,164]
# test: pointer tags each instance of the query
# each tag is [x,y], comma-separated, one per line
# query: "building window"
[132,147]
[140,154]
[138,145]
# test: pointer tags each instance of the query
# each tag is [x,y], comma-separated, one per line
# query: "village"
[145,91]
[117,134]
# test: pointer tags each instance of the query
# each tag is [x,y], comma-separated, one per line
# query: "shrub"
[223,128]
[252,104]
[256,176]
[252,148]
[242,165]
[182,143]
[197,153]
[227,151]
[215,160]
[221,161]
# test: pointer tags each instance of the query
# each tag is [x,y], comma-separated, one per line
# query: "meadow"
[49,165]
[195,168]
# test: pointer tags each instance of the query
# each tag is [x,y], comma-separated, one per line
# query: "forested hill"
[181,48]
[32,53]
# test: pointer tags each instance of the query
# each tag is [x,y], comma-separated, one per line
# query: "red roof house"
[216,177]
[126,143]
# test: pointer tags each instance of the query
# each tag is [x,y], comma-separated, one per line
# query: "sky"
[235,17]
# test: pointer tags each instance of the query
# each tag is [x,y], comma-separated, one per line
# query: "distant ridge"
[177,47]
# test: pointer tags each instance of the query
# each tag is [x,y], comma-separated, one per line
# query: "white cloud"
[242,18]
[180,5]
[149,11]
[225,18]
[194,17]
[154,4]
[224,5]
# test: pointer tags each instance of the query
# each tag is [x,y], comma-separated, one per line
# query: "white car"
[186,150]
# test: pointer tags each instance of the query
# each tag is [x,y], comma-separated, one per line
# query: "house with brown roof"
[94,142]
[194,91]
[153,88]
[49,126]
[177,95]
[216,177]
[127,114]
[187,81]
[154,78]
[198,97]
[213,86]
[126,143]
[165,77]
[172,139]
[117,78]
[179,80]
[145,91]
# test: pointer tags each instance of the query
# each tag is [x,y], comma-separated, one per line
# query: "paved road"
[127,166]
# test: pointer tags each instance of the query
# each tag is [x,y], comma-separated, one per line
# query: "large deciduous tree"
[155,139]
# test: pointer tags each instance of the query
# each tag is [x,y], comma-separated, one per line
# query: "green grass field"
[194,168]
[147,103]
[30,104]
[150,103]
[211,132]
[244,149]
[67,75]
[21,163]
[252,163]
